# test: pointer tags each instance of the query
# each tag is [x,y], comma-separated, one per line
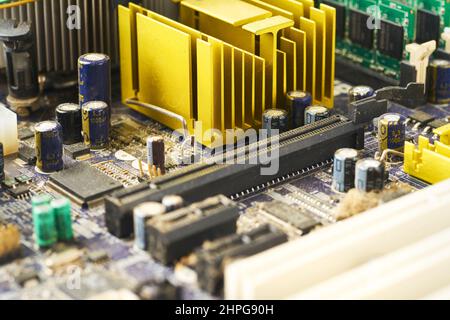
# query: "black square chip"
[428,26]
[390,39]
[83,183]
[358,31]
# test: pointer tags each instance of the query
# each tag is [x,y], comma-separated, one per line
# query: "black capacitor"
[156,157]
[275,119]
[369,175]
[316,113]
[439,81]
[344,169]
[360,92]
[20,58]
[297,102]
[2,163]
[68,116]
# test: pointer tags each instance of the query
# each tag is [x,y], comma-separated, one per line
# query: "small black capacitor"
[369,175]
[68,116]
[275,119]
[2,163]
[316,113]
[360,92]
[156,158]
[297,102]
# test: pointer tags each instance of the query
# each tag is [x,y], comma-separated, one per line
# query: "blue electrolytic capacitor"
[96,124]
[439,81]
[49,146]
[94,77]
[316,113]
[297,102]
[369,175]
[391,132]
[344,169]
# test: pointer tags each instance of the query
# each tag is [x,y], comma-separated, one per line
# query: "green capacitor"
[44,225]
[63,218]
[41,199]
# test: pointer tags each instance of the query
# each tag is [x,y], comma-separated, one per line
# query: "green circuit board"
[399,26]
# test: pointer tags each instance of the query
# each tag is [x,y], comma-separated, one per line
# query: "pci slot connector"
[213,256]
[178,233]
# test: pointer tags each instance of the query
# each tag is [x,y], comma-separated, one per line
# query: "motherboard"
[110,190]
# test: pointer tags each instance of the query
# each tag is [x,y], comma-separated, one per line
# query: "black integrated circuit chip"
[428,26]
[358,31]
[340,17]
[76,150]
[421,117]
[390,39]
[437,123]
[84,183]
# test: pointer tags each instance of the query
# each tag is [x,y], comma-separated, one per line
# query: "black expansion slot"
[298,149]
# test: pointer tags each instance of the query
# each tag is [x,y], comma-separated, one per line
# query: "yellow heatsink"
[15,4]
[226,61]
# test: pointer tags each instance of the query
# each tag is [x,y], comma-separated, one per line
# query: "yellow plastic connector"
[429,162]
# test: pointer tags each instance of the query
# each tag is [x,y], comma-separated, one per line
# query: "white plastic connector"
[409,273]
[446,37]
[441,294]
[419,56]
[299,265]
[8,130]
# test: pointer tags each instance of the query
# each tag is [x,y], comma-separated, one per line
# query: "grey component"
[364,111]
[412,96]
